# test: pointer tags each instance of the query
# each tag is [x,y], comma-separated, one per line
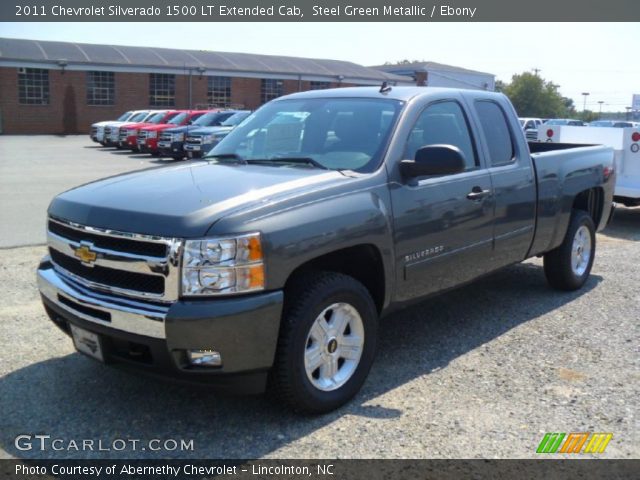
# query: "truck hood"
[210,130]
[184,128]
[160,126]
[185,200]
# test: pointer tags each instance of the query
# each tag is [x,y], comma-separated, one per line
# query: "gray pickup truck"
[268,264]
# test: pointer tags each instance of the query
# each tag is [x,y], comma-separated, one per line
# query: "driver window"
[442,123]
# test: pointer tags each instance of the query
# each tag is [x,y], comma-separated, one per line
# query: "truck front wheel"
[327,342]
[568,266]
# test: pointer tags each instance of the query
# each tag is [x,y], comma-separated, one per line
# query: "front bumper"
[171,149]
[153,338]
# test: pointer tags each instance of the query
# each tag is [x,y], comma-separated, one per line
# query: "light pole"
[600,102]
[584,105]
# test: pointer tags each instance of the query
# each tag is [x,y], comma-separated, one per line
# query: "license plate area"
[87,342]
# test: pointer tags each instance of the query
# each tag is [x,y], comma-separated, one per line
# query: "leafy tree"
[532,96]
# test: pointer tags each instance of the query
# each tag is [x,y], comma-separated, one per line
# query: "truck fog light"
[204,358]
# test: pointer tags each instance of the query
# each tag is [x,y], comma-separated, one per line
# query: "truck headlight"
[177,137]
[152,134]
[220,266]
[132,132]
[206,139]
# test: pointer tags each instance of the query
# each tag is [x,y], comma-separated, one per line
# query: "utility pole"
[600,102]
[584,104]
[536,71]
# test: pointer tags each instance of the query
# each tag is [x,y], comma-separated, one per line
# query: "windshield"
[139,117]
[179,118]
[169,118]
[335,133]
[557,122]
[209,119]
[235,119]
[157,118]
[124,116]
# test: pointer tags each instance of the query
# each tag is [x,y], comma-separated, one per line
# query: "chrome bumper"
[126,315]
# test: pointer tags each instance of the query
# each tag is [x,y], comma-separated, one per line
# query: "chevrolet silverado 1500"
[269,263]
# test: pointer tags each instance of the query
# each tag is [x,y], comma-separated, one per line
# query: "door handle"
[477,193]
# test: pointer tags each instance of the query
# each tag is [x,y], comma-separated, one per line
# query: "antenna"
[384,88]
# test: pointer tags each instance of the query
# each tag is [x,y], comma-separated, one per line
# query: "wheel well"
[592,202]
[362,262]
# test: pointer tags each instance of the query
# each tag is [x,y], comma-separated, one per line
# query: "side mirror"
[434,160]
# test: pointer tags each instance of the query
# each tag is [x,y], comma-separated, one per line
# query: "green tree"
[532,96]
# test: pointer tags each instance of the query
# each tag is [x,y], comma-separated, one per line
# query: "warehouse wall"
[68,112]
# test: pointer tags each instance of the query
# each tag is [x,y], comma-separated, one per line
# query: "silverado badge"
[85,254]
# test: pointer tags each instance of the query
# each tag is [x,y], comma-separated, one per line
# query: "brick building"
[60,87]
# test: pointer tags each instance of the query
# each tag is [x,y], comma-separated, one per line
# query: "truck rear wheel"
[327,342]
[568,266]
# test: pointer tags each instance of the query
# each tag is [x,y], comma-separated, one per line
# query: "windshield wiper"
[227,156]
[300,160]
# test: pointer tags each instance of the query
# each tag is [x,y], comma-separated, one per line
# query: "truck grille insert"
[108,276]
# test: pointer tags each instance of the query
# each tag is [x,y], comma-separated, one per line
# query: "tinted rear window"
[496,131]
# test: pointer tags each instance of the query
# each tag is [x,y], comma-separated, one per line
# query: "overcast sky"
[599,58]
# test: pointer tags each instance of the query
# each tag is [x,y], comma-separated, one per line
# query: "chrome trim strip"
[115,259]
[146,322]
[114,233]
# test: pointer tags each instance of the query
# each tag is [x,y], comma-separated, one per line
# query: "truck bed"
[563,170]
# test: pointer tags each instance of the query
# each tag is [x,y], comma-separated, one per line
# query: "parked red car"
[129,135]
[148,136]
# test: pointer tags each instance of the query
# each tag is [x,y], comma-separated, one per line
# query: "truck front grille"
[142,135]
[108,276]
[125,264]
[166,137]
[94,132]
[196,140]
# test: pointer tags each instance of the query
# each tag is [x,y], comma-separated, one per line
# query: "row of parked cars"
[530,125]
[168,133]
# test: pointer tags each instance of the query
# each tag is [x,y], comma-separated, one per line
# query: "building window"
[271,88]
[33,86]
[162,90]
[101,88]
[219,91]
[319,85]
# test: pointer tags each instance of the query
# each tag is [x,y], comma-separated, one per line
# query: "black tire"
[558,262]
[310,294]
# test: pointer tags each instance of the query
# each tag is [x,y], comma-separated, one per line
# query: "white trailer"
[626,144]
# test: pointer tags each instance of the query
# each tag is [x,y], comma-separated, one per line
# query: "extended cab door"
[443,224]
[514,190]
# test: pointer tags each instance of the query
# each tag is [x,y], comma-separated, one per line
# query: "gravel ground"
[482,371]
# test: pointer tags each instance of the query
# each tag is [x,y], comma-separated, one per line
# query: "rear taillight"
[550,133]
[607,172]
[635,136]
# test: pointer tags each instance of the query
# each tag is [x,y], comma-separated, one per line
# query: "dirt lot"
[483,371]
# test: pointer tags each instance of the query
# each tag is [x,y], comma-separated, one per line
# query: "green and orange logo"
[583,442]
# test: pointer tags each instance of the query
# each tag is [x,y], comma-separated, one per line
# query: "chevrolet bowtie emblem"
[85,254]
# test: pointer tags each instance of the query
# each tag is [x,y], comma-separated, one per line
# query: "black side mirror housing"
[434,160]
